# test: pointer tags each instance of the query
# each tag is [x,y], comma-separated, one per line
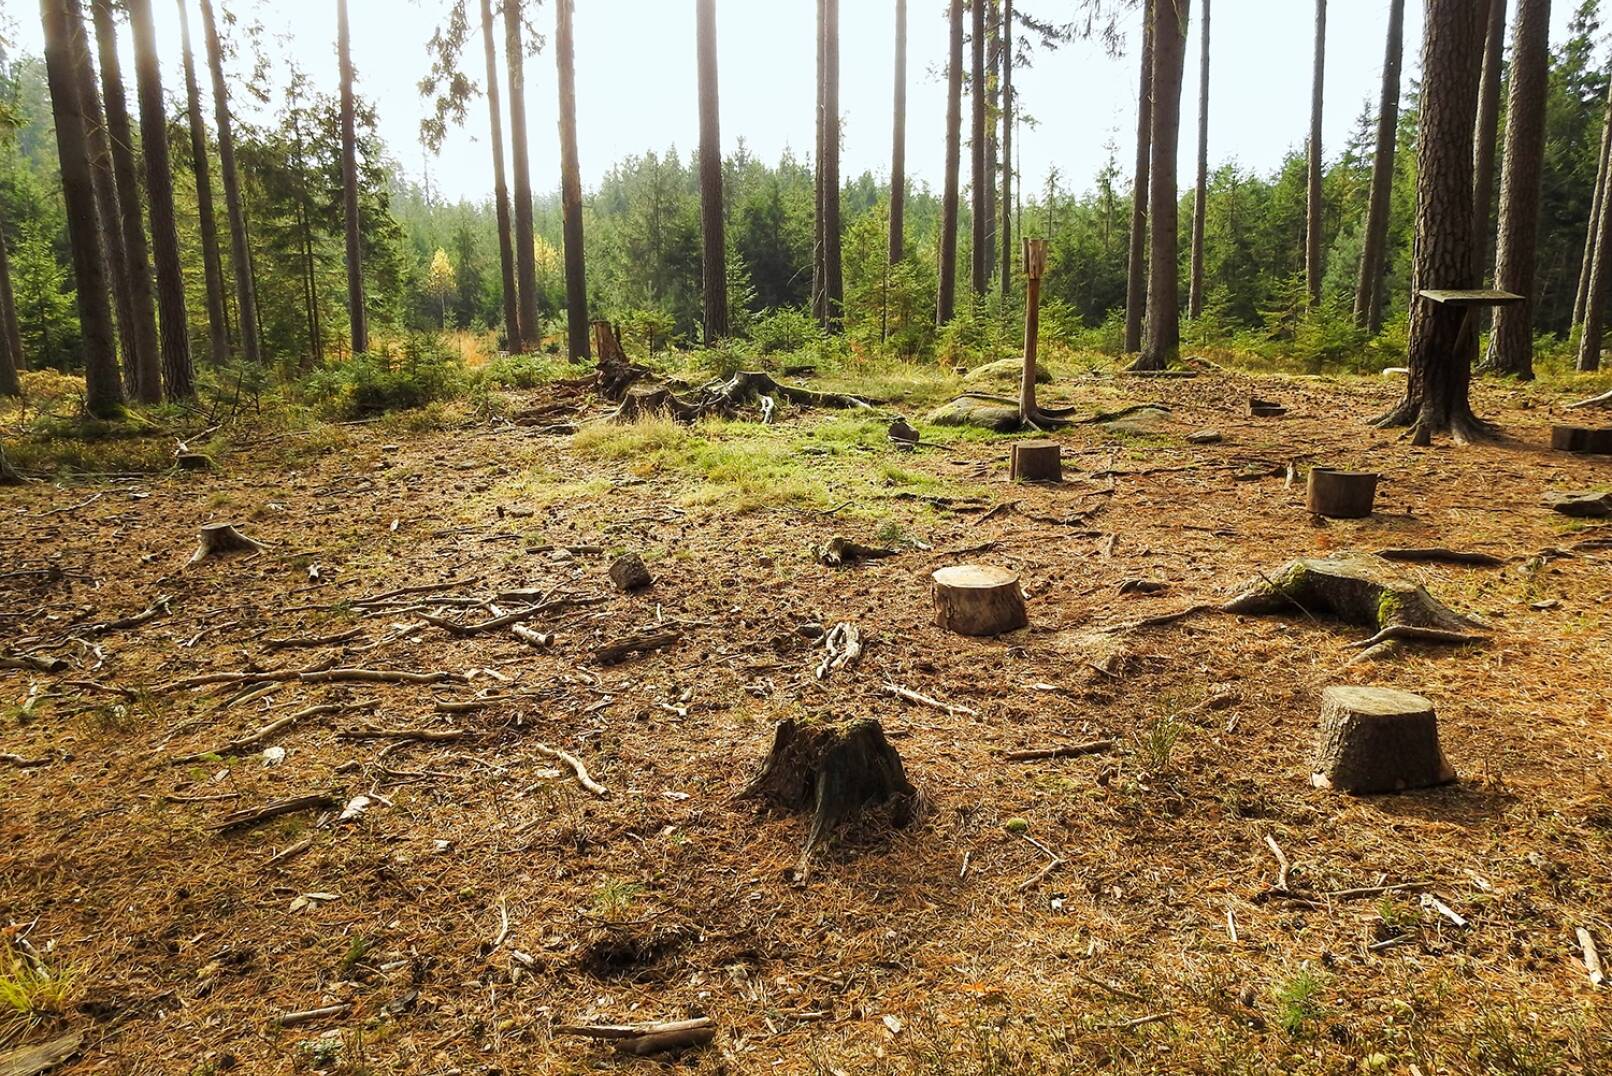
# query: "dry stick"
[924,700]
[312,641]
[1071,751]
[1054,862]
[1592,959]
[378,676]
[1439,554]
[251,816]
[289,852]
[291,1019]
[1281,862]
[246,743]
[430,588]
[517,617]
[1140,1021]
[407,735]
[621,648]
[577,767]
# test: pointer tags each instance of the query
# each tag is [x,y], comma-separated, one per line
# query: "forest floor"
[482,896]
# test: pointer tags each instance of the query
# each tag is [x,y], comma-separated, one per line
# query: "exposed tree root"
[1427,421]
[1603,400]
[726,397]
[8,473]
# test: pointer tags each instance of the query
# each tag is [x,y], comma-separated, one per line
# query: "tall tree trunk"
[105,181]
[142,353]
[1314,230]
[1006,227]
[1369,289]
[946,298]
[531,333]
[1162,341]
[506,249]
[103,391]
[1136,276]
[1437,391]
[10,331]
[1593,231]
[1200,201]
[898,143]
[819,213]
[217,330]
[316,338]
[1511,343]
[1487,127]
[1595,293]
[980,260]
[993,109]
[712,219]
[833,262]
[576,266]
[357,317]
[240,246]
[178,382]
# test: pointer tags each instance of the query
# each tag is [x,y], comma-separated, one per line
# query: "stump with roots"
[1378,740]
[981,601]
[834,770]
[1581,440]
[723,397]
[1357,589]
[220,538]
[1342,494]
[1036,461]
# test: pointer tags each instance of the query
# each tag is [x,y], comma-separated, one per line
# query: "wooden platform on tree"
[1471,297]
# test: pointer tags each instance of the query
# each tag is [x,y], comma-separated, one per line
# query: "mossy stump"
[1378,740]
[1036,461]
[1341,494]
[834,770]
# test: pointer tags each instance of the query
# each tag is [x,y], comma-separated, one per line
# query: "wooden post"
[1036,461]
[1035,264]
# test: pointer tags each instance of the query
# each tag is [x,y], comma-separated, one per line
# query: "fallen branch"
[151,612]
[924,700]
[251,816]
[255,739]
[378,676]
[1281,863]
[301,641]
[612,652]
[577,767]
[292,1019]
[1093,747]
[517,617]
[844,645]
[1440,555]
[1603,400]
[33,663]
[642,1040]
[407,735]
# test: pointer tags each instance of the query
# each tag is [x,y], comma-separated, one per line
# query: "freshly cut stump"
[835,771]
[218,538]
[971,599]
[1036,461]
[1582,440]
[1342,494]
[1375,739]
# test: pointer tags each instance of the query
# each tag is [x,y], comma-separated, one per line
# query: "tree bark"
[107,199]
[1487,128]
[833,261]
[1162,340]
[240,247]
[142,353]
[1200,201]
[993,109]
[103,391]
[1136,278]
[1006,227]
[576,266]
[979,253]
[357,317]
[1369,289]
[1511,343]
[1593,230]
[946,300]
[531,330]
[1314,230]
[11,358]
[1437,390]
[712,219]
[217,330]
[1595,293]
[506,249]
[898,143]
[819,247]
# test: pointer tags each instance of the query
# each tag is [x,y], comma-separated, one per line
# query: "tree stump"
[1342,494]
[980,601]
[219,538]
[1036,461]
[1581,440]
[194,461]
[1580,505]
[1378,740]
[836,771]
[1265,408]
[8,474]
[629,573]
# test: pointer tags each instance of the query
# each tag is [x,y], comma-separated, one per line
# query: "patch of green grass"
[1157,738]
[615,897]
[31,993]
[1298,1002]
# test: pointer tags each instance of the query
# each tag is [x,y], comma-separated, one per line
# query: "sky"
[636,81]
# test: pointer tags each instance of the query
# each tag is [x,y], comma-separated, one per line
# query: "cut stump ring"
[977,600]
[1376,739]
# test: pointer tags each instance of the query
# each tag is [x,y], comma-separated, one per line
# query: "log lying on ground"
[1378,740]
[835,771]
[219,538]
[979,601]
[642,1040]
[1603,400]
[1357,589]
[726,397]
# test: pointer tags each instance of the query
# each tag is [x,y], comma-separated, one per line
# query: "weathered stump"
[1378,740]
[219,538]
[835,771]
[629,573]
[194,461]
[1036,461]
[1581,440]
[977,600]
[1342,494]
[1265,408]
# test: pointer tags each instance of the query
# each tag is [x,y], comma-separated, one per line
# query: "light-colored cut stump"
[1036,461]
[981,601]
[1581,440]
[1342,494]
[1375,739]
[218,538]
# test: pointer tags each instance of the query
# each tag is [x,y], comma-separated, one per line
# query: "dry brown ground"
[667,898]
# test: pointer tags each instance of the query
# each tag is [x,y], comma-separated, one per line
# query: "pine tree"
[576,271]
[240,246]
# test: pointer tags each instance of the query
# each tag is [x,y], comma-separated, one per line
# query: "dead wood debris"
[843,552]
[255,739]
[642,1040]
[1092,747]
[892,688]
[252,816]
[844,645]
[1440,555]
[581,771]
[33,663]
[641,642]
[407,735]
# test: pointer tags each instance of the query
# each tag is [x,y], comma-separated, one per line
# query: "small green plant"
[785,329]
[615,897]
[357,949]
[32,991]
[424,372]
[1157,739]
[1298,1002]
